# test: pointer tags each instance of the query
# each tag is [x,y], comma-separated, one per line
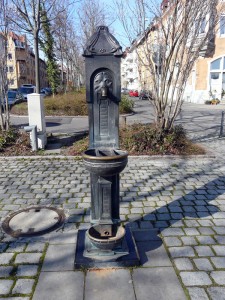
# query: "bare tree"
[4,109]
[68,49]
[92,14]
[27,15]
[169,39]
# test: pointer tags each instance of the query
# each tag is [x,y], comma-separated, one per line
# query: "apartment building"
[129,69]
[207,80]
[21,63]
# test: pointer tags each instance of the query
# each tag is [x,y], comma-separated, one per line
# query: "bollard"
[222,125]
[33,136]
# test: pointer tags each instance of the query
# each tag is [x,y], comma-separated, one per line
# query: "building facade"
[21,63]
[129,69]
[207,80]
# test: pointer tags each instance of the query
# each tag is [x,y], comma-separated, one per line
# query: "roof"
[14,36]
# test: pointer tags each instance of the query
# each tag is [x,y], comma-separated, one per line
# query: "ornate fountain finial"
[102,43]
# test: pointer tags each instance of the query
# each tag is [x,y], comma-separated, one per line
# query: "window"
[10,69]
[222,25]
[9,55]
[217,77]
[215,65]
[200,25]
[11,82]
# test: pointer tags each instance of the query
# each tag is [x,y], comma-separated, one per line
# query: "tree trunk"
[37,68]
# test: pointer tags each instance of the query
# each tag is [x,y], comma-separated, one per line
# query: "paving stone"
[219,262]
[206,240]
[203,264]
[27,270]
[35,247]
[16,247]
[207,223]
[206,231]
[5,271]
[145,225]
[5,286]
[218,277]
[172,241]
[146,235]
[220,250]
[220,239]
[188,240]
[197,294]
[219,222]
[59,258]
[183,264]
[186,251]
[191,231]
[157,279]
[204,251]
[29,258]
[161,224]
[153,254]
[216,293]
[3,246]
[61,237]
[23,286]
[219,230]
[172,232]
[5,258]
[117,285]
[195,278]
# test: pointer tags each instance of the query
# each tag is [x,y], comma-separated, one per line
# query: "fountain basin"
[105,243]
[105,162]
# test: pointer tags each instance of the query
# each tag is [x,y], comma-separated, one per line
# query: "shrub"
[126,105]
[141,139]
[70,104]
[7,138]
[148,139]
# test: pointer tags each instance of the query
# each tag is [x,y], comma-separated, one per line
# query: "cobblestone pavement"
[180,203]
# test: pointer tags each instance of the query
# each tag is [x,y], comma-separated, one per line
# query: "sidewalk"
[179,203]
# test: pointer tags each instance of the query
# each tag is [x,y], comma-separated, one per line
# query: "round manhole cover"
[33,221]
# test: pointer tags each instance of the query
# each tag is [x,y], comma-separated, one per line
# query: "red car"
[133,93]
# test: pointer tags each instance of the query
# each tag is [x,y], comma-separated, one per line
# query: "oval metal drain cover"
[36,220]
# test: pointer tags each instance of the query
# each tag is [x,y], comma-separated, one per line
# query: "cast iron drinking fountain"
[106,243]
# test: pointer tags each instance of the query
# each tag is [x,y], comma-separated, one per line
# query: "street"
[202,122]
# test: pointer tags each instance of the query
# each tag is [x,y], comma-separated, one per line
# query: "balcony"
[209,47]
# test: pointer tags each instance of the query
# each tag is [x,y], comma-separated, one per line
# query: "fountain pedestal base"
[88,256]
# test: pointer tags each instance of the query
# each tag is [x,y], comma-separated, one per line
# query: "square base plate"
[127,256]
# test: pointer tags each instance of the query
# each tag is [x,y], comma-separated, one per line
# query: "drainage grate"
[36,220]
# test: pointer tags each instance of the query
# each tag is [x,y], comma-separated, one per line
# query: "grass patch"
[70,104]
[142,139]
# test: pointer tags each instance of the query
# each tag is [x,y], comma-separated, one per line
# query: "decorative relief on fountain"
[103,80]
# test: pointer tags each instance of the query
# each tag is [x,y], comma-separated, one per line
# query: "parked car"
[124,91]
[144,94]
[133,93]
[26,89]
[14,97]
[47,91]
